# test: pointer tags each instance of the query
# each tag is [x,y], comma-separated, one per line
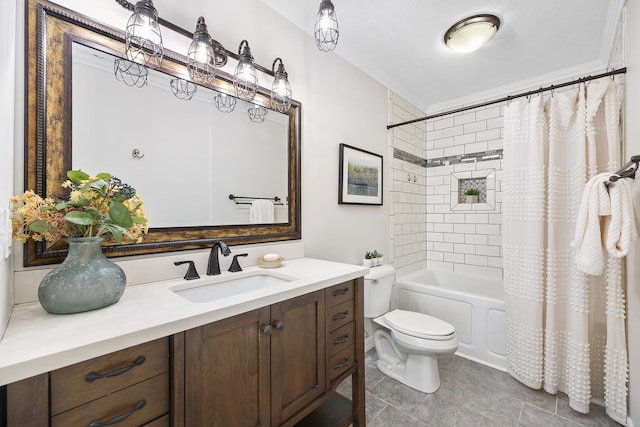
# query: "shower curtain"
[565,329]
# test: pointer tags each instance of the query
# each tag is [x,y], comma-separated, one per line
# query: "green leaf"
[104,176]
[47,208]
[119,197]
[120,214]
[77,176]
[80,218]
[78,203]
[115,231]
[139,219]
[62,205]
[39,226]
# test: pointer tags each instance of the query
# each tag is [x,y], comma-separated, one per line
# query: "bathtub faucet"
[213,267]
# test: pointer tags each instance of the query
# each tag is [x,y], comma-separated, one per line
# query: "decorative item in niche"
[482,180]
[472,187]
[360,177]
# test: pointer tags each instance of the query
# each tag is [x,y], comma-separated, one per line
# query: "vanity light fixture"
[471,33]
[201,56]
[143,40]
[130,73]
[245,78]
[225,103]
[257,113]
[183,89]
[326,29]
[280,89]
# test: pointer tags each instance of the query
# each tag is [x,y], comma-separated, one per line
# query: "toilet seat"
[419,325]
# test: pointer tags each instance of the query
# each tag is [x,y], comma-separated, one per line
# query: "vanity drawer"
[77,384]
[150,397]
[341,338]
[339,293]
[340,362]
[340,315]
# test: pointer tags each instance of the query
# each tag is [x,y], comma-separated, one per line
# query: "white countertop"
[36,341]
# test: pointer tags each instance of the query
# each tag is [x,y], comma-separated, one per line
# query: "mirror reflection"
[187,157]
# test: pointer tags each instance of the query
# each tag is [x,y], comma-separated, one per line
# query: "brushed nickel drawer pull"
[340,316]
[343,364]
[120,417]
[92,376]
[339,292]
[341,340]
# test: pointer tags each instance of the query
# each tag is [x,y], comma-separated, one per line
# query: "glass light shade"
[245,77]
[471,33]
[130,73]
[143,40]
[183,89]
[326,29]
[257,113]
[201,56]
[225,103]
[280,89]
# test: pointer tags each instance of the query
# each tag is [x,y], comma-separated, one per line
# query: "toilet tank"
[377,290]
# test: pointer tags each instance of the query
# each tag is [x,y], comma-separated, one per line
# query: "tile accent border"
[465,158]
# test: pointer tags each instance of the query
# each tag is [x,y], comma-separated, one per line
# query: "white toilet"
[408,343]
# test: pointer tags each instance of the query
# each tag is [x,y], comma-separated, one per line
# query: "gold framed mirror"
[52,33]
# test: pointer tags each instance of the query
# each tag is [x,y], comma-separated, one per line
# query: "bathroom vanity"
[266,356]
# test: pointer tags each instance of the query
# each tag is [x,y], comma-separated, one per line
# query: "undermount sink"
[229,286]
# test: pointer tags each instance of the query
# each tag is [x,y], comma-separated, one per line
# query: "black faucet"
[213,267]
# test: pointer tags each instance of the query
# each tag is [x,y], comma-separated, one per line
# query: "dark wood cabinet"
[130,386]
[257,368]
[277,365]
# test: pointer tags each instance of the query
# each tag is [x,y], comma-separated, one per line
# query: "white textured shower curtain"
[565,329]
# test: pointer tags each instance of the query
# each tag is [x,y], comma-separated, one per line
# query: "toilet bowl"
[408,343]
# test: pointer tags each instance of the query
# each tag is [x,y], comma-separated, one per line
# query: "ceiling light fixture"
[326,29]
[143,40]
[280,89]
[245,78]
[471,33]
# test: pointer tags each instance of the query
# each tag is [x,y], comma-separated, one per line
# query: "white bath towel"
[261,212]
[605,218]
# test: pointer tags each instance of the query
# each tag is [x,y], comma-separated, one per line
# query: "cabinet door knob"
[339,292]
[340,316]
[279,325]
[342,364]
[267,330]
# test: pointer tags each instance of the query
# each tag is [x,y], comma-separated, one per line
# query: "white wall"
[633,260]
[340,104]
[8,37]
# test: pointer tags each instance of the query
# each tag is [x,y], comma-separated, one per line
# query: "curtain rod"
[511,97]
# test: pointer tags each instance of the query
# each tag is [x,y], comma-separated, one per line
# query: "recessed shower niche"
[482,180]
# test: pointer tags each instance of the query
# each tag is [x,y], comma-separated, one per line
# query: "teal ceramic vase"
[86,280]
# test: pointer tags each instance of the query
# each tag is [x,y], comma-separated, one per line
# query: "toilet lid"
[418,324]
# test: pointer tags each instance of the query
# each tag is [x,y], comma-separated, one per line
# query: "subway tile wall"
[463,241]
[425,232]
[408,220]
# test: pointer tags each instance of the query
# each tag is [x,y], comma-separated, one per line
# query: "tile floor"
[470,394]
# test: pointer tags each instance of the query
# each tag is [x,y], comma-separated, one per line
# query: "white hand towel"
[261,212]
[588,238]
[620,227]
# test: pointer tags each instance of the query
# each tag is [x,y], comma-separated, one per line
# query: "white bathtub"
[474,305]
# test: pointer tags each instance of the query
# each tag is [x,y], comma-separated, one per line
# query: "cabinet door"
[297,354]
[227,372]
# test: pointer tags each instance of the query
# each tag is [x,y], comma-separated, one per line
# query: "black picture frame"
[360,180]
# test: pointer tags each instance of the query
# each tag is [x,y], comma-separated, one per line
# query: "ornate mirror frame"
[51,32]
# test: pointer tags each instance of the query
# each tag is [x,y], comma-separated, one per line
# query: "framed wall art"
[360,179]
